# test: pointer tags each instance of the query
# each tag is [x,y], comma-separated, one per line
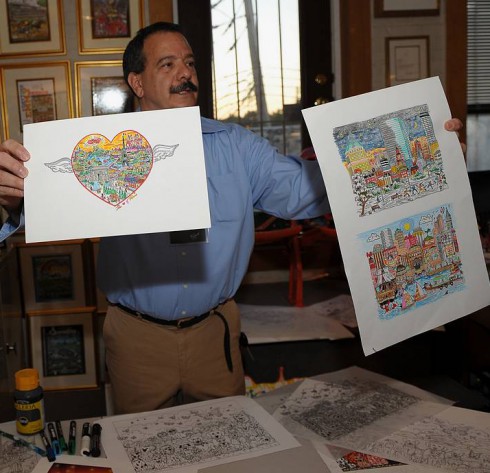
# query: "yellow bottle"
[29,402]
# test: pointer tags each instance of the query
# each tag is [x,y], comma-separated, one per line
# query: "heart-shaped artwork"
[112,170]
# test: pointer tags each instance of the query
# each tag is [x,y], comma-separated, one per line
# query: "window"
[256,68]
[478,120]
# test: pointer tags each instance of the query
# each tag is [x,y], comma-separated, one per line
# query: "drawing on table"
[414,261]
[191,435]
[391,159]
[15,457]
[334,410]
[112,170]
[439,442]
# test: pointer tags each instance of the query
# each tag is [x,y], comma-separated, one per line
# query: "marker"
[85,446]
[72,439]
[95,440]
[54,438]
[61,437]
[23,442]
[49,449]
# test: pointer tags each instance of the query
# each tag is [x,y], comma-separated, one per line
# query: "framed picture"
[52,276]
[390,8]
[407,59]
[63,349]
[106,27]
[34,92]
[101,89]
[32,28]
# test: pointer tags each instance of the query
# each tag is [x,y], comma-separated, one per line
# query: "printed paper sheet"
[140,172]
[403,209]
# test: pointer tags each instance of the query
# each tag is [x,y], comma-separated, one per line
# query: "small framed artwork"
[101,89]
[407,59]
[34,92]
[393,8]
[52,276]
[63,348]
[106,27]
[34,28]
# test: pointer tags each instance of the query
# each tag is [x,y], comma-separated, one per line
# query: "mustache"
[188,86]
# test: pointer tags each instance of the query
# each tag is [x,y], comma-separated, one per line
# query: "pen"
[85,446]
[72,439]
[23,442]
[54,439]
[49,449]
[61,437]
[95,440]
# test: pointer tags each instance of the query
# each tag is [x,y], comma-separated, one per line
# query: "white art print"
[189,437]
[400,196]
[141,172]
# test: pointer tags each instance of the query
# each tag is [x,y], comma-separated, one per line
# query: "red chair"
[290,236]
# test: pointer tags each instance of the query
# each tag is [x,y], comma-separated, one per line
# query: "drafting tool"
[95,440]
[49,449]
[85,444]
[61,437]
[72,439]
[54,439]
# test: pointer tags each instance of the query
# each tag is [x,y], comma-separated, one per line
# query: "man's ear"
[134,81]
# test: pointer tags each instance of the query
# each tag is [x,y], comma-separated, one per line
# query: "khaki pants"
[153,366]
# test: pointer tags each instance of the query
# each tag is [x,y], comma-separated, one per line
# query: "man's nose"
[184,72]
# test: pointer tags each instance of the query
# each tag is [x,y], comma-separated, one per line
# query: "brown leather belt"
[179,323]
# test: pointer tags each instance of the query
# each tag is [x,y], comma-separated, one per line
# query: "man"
[172,328]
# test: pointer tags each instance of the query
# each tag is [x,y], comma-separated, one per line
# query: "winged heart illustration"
[112,170]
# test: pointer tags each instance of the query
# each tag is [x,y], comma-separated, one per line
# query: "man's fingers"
[15,149]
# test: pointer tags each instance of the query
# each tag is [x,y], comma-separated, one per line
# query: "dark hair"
[133,59]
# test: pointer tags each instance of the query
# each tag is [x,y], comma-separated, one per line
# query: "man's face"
[169,79]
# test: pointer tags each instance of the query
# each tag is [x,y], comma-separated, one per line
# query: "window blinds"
[478,56]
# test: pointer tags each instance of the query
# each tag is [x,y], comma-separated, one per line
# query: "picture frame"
[63,348]
[100,89]
[394,8]
[52,275]
[34,92]
[407,59]
[32,29]
[102,31]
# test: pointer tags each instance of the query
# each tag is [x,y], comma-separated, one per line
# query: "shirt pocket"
[228,198]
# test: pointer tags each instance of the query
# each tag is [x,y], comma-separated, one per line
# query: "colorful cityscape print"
[414,261]
[113,170]
[391,159]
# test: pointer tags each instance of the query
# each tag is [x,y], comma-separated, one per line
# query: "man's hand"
[455,124]
[12,173]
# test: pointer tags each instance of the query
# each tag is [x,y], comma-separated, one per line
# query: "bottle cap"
[27,379]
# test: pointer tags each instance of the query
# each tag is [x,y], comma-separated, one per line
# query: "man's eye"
[167,65]
[191,64]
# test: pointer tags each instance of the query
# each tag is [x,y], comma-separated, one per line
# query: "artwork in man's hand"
[414,261]
[391,159]
[113,170]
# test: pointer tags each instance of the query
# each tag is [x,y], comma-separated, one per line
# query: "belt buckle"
[180,323]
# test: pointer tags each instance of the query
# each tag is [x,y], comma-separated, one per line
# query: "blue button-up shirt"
[149,274]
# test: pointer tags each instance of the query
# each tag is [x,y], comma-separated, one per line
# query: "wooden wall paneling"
[160,10]
[456,54]
[355,44]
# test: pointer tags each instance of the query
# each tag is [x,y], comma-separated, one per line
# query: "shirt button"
[184,312]
[185,286]
[183,253]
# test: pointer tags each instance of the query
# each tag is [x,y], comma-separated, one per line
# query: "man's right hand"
[12,173]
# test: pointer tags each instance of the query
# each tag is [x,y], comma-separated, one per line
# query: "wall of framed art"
[39,79]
